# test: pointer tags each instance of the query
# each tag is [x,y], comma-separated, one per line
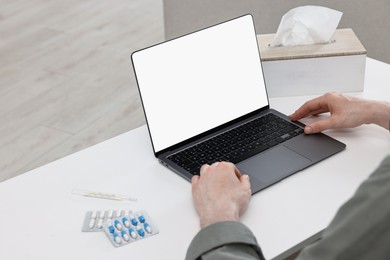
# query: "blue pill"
[125,222]
[141,232]
[117,238]
[118,225]
[111,229]
[132,233]
[125,235]
[141,218]
[134,221]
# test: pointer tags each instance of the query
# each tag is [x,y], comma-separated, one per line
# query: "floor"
[66,81]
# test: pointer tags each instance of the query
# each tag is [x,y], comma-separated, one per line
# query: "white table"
[41,219]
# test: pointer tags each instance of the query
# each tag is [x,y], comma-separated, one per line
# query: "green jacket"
[360,229]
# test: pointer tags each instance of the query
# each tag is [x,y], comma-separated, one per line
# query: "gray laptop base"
[274,164]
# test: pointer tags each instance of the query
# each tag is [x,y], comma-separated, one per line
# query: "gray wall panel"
[369,19]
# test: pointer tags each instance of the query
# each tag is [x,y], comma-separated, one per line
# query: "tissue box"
[314,69]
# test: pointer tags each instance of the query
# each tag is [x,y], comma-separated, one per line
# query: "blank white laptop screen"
[199,81]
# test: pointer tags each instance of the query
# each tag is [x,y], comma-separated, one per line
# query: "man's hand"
[346,112]
[220,193]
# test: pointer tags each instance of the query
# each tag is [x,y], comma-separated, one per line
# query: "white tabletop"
[41,219]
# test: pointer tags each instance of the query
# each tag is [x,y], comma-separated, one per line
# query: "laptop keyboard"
[238,143]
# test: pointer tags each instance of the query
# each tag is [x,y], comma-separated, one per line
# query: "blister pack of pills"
[120,226]
[93,221]
[128,229]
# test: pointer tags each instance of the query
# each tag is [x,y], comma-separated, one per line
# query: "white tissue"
[307,25]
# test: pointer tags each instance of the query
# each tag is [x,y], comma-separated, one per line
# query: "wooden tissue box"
[314,69]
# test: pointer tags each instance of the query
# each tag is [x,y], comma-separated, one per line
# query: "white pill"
[91,223]
[110,213]
[94,214]
[118,213]
[100,223]
[101,214]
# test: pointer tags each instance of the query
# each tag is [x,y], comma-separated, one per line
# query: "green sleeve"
[361,227]
[224,240]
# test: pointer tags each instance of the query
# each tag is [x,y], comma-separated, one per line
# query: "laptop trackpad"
[273,165]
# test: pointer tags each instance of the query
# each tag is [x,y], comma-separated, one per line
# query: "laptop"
[205,100]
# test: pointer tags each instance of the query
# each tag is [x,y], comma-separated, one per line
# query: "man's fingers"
[222,166]
[194,180]
[320,126]
[237,171]
[312,107]
[203,169]
[245,180]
